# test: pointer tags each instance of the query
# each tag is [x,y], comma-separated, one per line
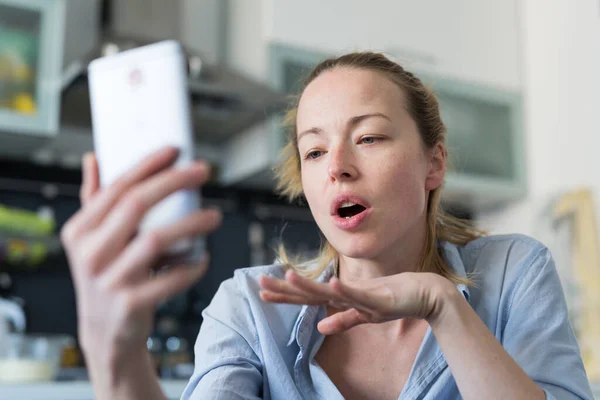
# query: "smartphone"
[140,103]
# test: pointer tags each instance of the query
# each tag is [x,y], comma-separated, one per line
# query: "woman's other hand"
[112,265]
[405,295]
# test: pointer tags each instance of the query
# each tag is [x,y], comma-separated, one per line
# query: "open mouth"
[349,210]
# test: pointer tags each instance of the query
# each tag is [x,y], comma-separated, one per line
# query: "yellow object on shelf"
[24,103]
[579,206]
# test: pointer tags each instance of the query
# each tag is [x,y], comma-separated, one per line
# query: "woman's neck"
[404,256]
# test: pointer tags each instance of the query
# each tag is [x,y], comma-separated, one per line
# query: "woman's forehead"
[342,91]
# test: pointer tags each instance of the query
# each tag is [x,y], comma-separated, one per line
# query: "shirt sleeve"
[539,336]
[226,361]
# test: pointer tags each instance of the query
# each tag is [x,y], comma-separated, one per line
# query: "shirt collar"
[454,260]
[324,277]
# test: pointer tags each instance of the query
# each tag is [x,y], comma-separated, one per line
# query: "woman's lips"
[351,223]
[354,221]
[346,198]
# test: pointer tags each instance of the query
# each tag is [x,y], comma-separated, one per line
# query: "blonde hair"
[423,107]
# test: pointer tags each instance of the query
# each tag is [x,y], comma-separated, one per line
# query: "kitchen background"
[517,80]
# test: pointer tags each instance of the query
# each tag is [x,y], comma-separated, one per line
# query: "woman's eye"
[312,155]
[369,140]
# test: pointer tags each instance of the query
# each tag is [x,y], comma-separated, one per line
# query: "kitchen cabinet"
[469,40]
[485,141]
[484,123]
[40,41]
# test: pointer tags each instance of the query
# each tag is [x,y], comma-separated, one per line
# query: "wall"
[247,25]
[476,40]
[561,60]
[470,40]
[552,54]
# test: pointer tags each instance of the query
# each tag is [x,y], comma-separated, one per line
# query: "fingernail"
[85,158]
[199,168]
[205,258]
[204,165]
[214,208]
[170,150]
[217,214]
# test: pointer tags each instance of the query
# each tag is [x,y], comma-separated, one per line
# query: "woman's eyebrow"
[311,131]
[360,118]
[351,123]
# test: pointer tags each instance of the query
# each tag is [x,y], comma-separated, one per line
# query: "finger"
[310,286]
[323,290]
[279,297]
[341,321]
[91,180]
[340,306]
[123,222]
[283,287]
[362,299]
[274,297]
[169,283]
[98,206]
[146,249]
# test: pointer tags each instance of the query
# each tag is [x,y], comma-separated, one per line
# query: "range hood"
[224,102]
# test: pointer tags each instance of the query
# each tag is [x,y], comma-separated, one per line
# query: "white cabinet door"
[474,40]
[30,63]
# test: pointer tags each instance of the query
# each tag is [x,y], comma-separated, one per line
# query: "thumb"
[341,321]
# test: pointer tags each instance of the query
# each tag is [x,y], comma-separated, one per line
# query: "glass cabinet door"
[30,65]
[487,166]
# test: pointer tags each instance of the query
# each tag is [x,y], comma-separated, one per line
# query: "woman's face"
[365,172]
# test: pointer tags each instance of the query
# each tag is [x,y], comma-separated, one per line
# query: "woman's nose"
[341,165]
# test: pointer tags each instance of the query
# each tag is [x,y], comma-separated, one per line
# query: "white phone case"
[139,104]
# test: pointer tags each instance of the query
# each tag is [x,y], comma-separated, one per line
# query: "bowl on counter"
[31,358]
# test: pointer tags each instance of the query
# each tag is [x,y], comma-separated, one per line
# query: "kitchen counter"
[78,390]
[83,390]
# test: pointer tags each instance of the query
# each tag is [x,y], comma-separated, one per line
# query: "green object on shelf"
[25,222]
[37,253]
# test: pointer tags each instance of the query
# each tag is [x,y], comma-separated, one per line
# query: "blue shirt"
[249,349]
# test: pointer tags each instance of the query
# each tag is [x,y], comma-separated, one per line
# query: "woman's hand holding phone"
[111,263]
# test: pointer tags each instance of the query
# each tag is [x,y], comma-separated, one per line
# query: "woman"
[403,302]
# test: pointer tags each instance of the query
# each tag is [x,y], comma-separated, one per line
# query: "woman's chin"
[358,248]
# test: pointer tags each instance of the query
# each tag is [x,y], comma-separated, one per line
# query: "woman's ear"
[437,167]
